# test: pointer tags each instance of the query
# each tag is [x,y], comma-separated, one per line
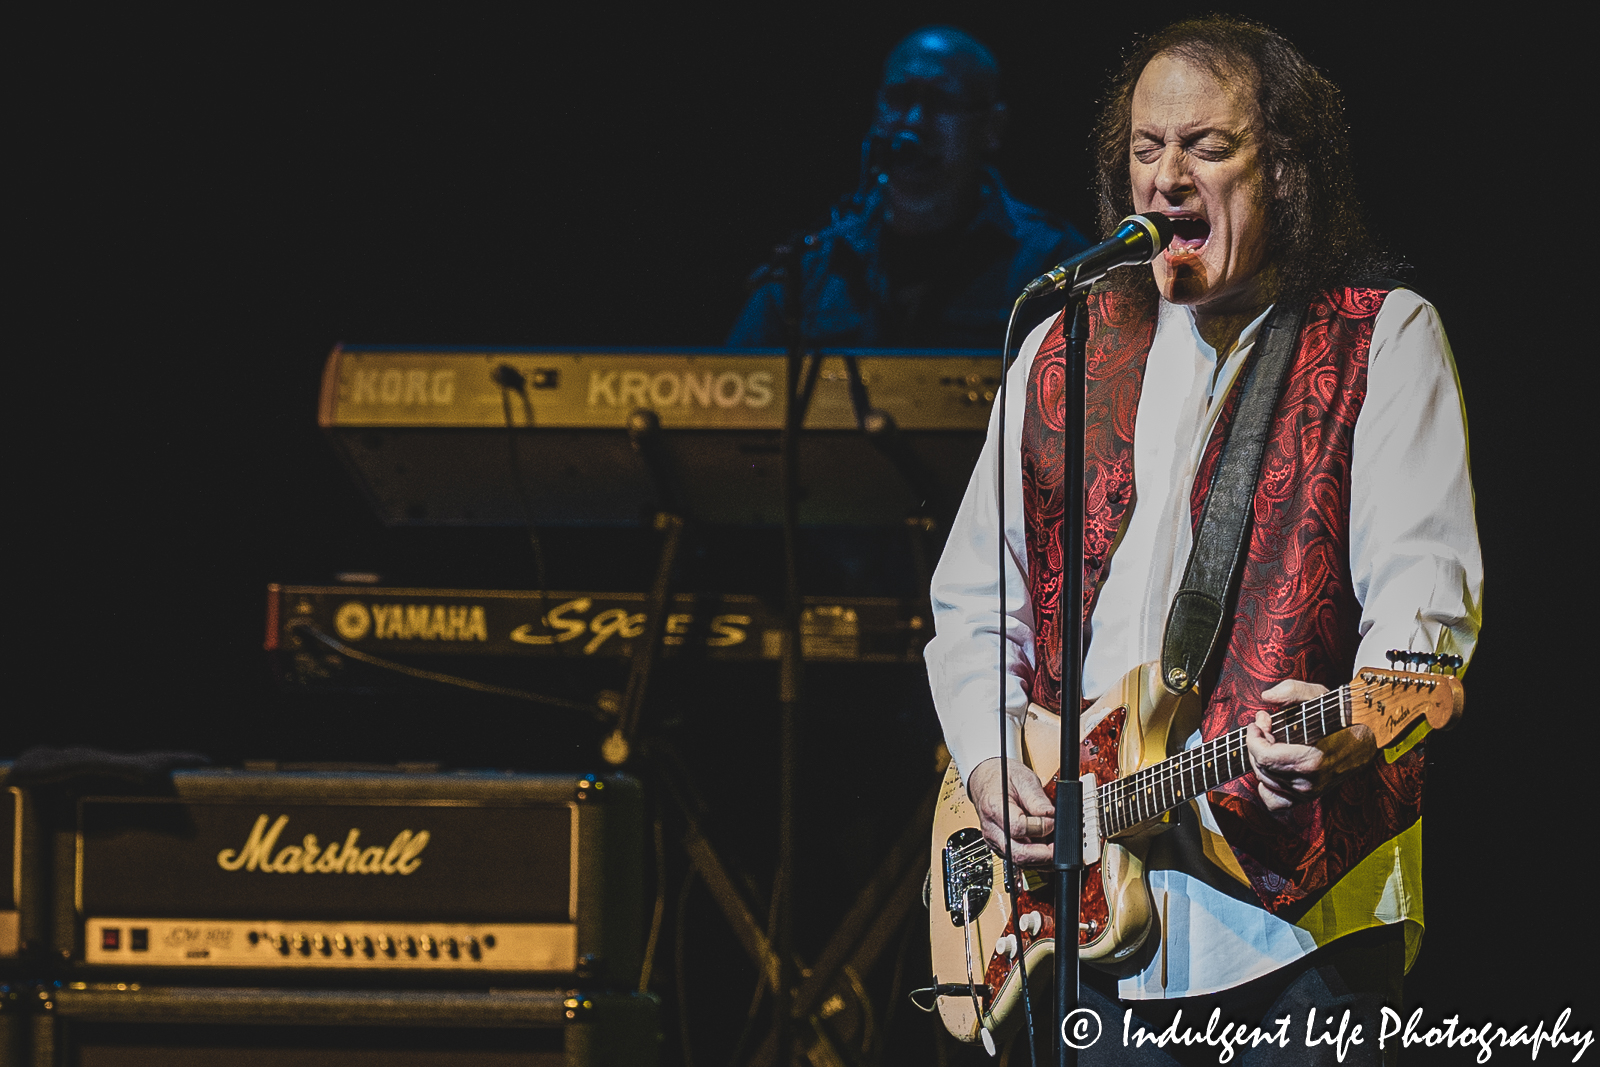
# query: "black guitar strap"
[1195,620]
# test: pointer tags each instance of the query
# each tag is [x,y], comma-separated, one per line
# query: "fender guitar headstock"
[1390,702]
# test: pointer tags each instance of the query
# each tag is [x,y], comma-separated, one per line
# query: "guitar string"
[1136,789]
[1143,783]
[1140,790]
[1147,781]
[1151,782]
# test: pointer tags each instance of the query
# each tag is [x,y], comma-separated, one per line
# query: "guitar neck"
[1156,790]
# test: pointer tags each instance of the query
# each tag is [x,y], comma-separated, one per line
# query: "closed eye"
[1216,145]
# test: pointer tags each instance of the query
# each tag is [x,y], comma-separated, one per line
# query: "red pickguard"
[1097,754]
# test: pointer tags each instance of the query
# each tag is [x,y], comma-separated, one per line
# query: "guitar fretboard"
[1156,790]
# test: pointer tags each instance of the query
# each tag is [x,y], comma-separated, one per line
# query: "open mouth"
[1189,235]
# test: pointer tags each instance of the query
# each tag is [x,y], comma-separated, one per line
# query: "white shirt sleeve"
[964,657]
[1414,555]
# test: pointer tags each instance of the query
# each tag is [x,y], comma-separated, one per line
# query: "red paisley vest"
[1295,616]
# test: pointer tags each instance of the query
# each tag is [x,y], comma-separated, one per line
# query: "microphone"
[1138,240]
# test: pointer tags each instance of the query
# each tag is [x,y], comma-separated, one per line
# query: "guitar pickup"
[1091,819]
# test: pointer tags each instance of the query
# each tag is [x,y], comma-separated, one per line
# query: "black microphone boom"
[1138,240]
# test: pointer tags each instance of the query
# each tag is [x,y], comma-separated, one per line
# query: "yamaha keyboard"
[570,437]
[397,621]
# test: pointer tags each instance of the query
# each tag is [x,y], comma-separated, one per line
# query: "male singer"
[1297,886]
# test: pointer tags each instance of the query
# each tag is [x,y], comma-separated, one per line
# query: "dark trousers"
[1358,973]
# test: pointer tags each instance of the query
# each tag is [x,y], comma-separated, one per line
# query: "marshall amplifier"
[474,875]
[99,1025]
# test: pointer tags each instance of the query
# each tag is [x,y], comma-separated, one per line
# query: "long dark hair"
[1317,234]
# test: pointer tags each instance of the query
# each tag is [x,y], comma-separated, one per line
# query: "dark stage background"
[207,204]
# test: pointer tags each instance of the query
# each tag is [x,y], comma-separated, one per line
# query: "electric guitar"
[1134,772]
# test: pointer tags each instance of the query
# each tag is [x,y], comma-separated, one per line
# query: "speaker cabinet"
[88,1025]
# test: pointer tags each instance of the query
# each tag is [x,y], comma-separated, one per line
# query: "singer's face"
[1195,158]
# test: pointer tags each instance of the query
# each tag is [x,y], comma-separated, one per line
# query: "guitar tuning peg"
[1392,655]
[1432,660]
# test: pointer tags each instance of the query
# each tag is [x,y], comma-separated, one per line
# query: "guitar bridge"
[968,874]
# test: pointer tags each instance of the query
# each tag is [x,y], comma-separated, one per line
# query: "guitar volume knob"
[1030,923]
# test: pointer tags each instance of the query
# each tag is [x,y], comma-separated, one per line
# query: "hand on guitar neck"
[1289,774]
[1033,814]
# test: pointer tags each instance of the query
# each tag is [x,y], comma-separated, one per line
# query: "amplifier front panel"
[357,946]
[357,871]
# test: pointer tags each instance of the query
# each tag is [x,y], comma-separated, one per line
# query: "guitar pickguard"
[1097,755]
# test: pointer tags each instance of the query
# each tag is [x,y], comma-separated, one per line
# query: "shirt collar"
[1247,336]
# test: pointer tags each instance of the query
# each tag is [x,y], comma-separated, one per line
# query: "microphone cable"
[444,679]
[1005,767]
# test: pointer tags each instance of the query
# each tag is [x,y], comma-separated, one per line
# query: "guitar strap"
[1195,620]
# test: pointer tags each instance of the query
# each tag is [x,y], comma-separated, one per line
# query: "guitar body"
[1137,724]
[1130,737]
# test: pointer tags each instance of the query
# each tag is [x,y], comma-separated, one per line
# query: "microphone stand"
[787,264]
[1068,859]
[1138,240]
[789,668]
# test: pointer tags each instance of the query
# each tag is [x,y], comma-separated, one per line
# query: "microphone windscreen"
[1161,225]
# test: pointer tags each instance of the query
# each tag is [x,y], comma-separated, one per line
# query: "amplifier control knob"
[342,943]
[385,945]
[282,945]
[473,950]
[302,945]
[451,947]
[367,948]
[321,944]
[410,946]
[428,945]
